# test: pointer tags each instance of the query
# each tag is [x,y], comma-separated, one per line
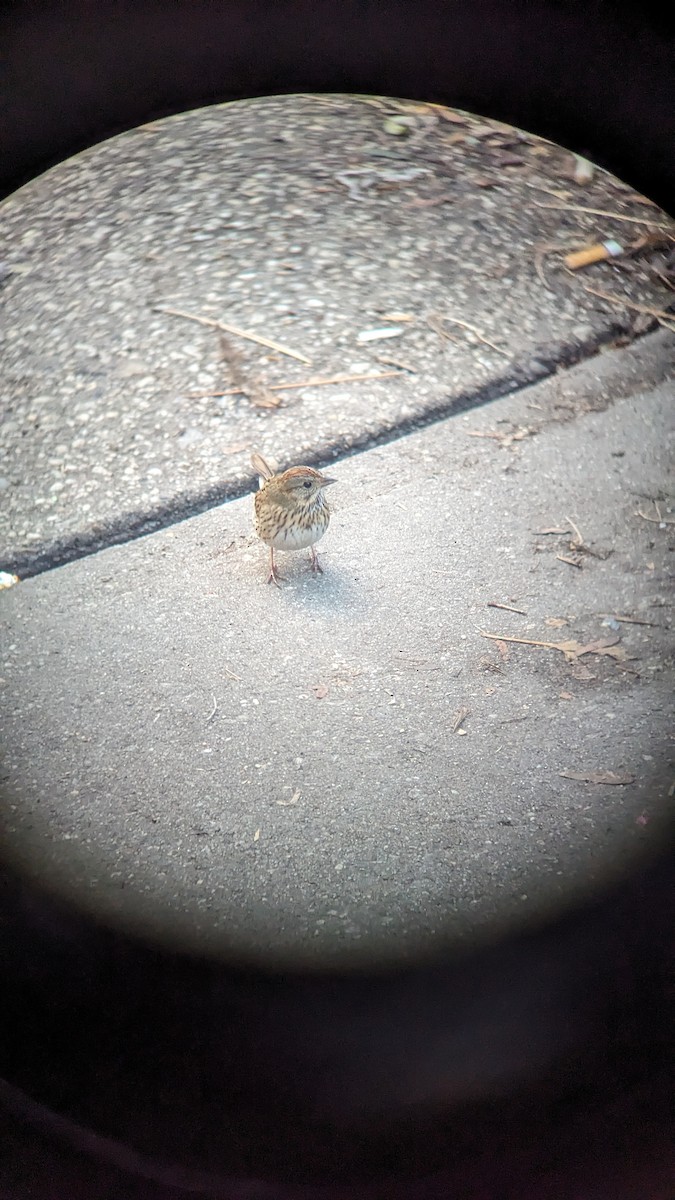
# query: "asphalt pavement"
[412,255]
[463,723]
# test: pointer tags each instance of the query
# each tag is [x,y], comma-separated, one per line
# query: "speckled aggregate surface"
[305,220]
[347,766]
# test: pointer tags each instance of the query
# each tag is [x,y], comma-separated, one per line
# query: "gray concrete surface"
[305,220]
[281,773]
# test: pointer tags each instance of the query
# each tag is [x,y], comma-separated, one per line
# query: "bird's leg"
[274,576]
[316,567]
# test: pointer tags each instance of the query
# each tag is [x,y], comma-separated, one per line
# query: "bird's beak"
[326,480]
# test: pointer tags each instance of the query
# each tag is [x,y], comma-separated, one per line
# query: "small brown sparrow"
[291,510]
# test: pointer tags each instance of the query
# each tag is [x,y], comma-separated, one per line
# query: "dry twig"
[233,329]
[434,324]
[501,436]
[658,519]
[659,313]
[541,250]
[578,545]
[506,607]
[471,329]
[572,650]
[396,362]
[630,620]
[599,212]
[557,192]
[540,253]
[664,279]
[577,542]
[283,387]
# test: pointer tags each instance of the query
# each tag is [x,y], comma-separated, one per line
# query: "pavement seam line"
[132,525]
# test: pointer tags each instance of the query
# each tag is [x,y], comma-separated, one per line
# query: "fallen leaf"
[604,646]
[320,691]
[571,649]
[609,777]
[256,835]
[556,622]
[291,800]
[503,649]
[565,695]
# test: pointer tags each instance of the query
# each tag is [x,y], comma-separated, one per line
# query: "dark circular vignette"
[596,76]
[191,1072]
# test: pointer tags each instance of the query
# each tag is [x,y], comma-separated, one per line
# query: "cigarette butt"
[600,252]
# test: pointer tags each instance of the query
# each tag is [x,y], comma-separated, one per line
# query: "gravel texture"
[347,767]
[312,221]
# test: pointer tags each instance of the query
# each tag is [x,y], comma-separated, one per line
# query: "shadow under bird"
[291,511]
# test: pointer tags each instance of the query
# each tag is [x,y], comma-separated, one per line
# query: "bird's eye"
[307,483]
